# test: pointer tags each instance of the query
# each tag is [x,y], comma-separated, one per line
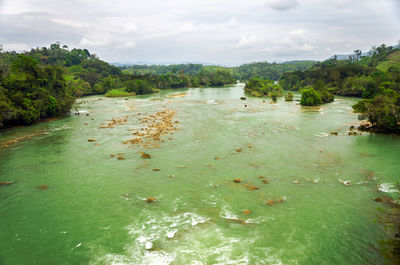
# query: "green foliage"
[182,75]
[274,96]
[310,97]
[383,111]
[30,91]
[289,96]
[326,97]
[118,93]
[265,70]
[187,69]
[139,87]
[203,76]
[259,87]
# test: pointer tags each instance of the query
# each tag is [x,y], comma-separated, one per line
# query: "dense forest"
[244,72]
[375,78]
[273,71]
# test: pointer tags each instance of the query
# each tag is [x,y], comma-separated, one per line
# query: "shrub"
[327,97]
[310,97]
[114,93]
[289,96]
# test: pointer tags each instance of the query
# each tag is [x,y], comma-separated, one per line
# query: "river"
[73,201]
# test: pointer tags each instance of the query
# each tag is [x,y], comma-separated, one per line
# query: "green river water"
[94,210]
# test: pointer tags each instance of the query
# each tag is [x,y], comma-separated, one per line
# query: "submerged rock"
[121,158]
[334,132]
[42,187]
[238,150]
[246,211]
[156,169]
[386,200]
[365,126]
[345,182]
[270,202]
[150,199]
[237,180]
[253,188]
[6,183]
[265,181]
[91,140]
[282,199]
[146,156]
[243,98]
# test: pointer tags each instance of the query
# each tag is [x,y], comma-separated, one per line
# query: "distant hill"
[346,56]
[393,60]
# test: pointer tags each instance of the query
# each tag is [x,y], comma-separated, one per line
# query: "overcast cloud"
[212,31]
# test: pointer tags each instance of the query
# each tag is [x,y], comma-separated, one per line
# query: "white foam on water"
[171,234]
[178,238]
[64,127]
[227,214]
[387,187]
[147,258]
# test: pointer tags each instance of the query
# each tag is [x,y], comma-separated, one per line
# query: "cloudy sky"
[213,31]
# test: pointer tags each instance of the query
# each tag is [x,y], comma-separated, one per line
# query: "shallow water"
[94,210]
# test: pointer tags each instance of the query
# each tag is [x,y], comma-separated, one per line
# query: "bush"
[384,112]
[256,94]
[274,96]
[289,96]
[327,97]
[139,87]
[114,93]
[310,97]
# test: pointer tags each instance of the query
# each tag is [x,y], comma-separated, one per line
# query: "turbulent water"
[93,209]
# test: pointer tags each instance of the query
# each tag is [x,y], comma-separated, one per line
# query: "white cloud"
[130,27]
[127,45]
[232,22]
[92,43]
[246,41]
[19,47]
[68,22]
[282,5]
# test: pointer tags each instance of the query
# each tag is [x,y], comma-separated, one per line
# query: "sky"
[227,32]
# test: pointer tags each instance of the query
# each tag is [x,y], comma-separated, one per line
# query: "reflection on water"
[313,203]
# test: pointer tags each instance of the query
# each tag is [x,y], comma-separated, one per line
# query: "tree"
[289,96]
[310,97]
[384,113]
